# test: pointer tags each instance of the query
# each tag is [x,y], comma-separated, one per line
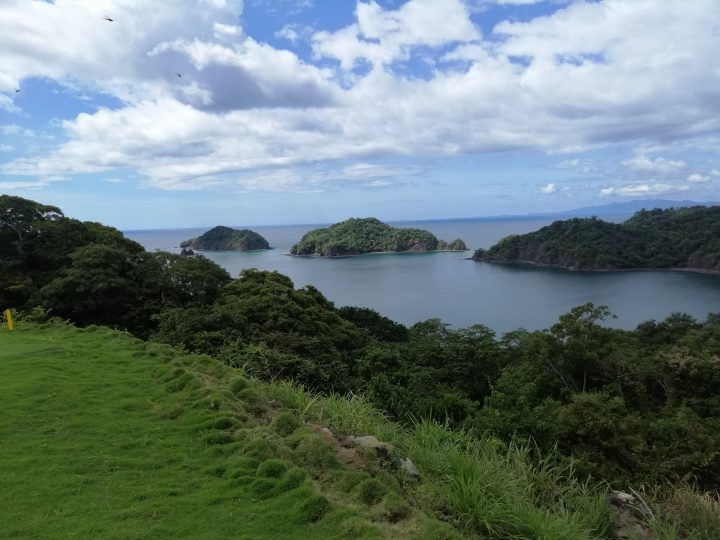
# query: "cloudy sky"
[203,112]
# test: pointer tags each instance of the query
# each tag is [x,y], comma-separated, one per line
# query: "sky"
[259,112]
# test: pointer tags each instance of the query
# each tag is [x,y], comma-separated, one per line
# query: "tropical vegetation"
[679,238]
[356,236]
[513,435]
[227,239]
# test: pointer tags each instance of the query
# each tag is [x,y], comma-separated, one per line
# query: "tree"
[580,344]
[19,220]
[186,281]
[103,285]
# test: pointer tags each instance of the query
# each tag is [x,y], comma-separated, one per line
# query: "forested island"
[513,436]
[676,238]
[226,239]
[357,236]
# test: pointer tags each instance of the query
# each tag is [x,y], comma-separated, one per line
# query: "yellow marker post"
[8,318]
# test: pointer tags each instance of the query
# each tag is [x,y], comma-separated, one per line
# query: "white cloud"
[6,148]
[697,178]
[382,36]
[223,31]
[14,129]
[587,76]
[715,172]
[642,163]
[549,189]
[247,75]
[22,185]
[294,32]
[643,190]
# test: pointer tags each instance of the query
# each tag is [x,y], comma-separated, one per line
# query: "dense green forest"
[226,239]
[357,236]
[682,238]
[629,407]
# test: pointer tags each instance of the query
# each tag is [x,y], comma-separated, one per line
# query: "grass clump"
[371,491]
[238,384]
[314,508]
[272,468]
[286,423]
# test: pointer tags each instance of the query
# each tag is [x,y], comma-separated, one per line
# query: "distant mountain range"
[627,208]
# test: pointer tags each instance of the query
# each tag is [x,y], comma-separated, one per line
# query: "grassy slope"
[104,436]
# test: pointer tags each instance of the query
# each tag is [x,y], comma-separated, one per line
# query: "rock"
[409,467]
[369,441]
[628,518]
[187,252]
[325,433]
[382,450]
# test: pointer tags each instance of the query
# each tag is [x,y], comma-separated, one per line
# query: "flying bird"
[109,19]
[18,90]
[179,75]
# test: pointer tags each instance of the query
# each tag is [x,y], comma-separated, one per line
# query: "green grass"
[485,488]
[105,436]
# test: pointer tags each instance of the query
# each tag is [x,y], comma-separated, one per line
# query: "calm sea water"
[418,286]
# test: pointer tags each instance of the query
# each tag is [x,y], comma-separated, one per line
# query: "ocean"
[412,287]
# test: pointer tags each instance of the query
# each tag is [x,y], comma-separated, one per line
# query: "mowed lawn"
[94,444]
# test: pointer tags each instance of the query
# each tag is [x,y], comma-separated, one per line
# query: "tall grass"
[483,486]
[686,514]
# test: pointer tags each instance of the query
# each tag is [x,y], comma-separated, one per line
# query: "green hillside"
[226,239]
[682,238]
[104,436]
[107,436]
[356,236]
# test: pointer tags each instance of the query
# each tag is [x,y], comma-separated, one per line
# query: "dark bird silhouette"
[179,75]
[18,90]
[109,19]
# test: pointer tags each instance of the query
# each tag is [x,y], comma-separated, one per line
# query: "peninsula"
[226,239]
[357,236]
[675,238]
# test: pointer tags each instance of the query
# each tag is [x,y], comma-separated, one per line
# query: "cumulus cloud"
[139,55]
[643,190]
[658,166]
[697,178]
[549,189]
[381,36]
[588,75]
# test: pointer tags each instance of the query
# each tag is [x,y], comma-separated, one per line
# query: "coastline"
[605,270]
[316,255]
[231,250]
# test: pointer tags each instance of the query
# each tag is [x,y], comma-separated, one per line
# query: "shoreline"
[230,250]
[706,271]
[317,255]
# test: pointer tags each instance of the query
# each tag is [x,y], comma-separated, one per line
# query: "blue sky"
[213,112]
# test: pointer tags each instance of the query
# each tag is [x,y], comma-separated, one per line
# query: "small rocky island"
[357,236]
[676,238]
[227,239]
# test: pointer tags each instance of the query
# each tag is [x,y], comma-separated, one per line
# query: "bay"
[411,287]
